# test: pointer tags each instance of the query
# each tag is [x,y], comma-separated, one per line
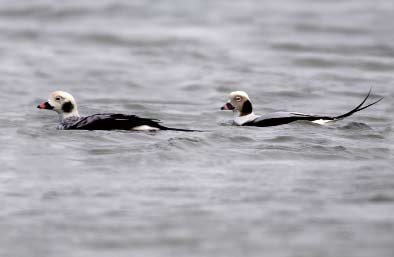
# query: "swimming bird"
[65,105]
[240,104]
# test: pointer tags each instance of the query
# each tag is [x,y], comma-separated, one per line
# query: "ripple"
[282,139]
[382,197]
[242,139]
[173,193]
[319,62]
[356,126]
[329,29]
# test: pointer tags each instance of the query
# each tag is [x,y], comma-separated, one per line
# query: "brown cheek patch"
[247,107]
[67,107]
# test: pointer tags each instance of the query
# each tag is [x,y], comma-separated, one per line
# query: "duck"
[241,105]
[65,105]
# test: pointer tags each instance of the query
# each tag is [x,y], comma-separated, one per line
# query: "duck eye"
[237,98]
[57,98]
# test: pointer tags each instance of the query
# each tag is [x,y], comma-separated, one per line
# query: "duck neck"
[240,119]
[66,115]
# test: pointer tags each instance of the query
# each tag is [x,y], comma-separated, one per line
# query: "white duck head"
[239,103]
[61,102]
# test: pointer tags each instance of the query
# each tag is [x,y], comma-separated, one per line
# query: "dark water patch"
[106,151]
[356,126]
[23,33]
[344,78]
[282,139]
[325,62]
[379,152]
[242,139]
[185,142]
[379,117]
[56,194]
[135,41]
[292,93]
[116,40]
[31,213]
[328,151]
[329,29]
[280,152]
[315,62]
[283,148]
[27,11]
[363,50]
[178,144]
[192,87]
[367,136]
[50,195]
[17,194]
[382,198]
[378,66]
[159,101]
[134,106]
[292,47]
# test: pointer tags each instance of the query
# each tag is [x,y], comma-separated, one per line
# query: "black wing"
[111,121]
[280,118]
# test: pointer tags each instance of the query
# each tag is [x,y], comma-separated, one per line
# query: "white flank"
[240,120]
[145,128]
[322,122]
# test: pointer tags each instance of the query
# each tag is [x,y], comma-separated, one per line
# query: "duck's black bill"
[45,105]
[227,106]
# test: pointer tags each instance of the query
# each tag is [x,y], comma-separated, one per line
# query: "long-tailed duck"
[65,105]
[240,104]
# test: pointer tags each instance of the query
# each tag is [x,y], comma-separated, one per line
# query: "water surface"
[296,190]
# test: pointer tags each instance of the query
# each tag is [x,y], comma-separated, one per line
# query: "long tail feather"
[370,104]
[177,129]
[359,107]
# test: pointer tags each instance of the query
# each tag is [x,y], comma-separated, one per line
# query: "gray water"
[295,190]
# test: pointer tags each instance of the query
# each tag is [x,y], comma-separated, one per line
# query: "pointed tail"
[359,107]
[177,129]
